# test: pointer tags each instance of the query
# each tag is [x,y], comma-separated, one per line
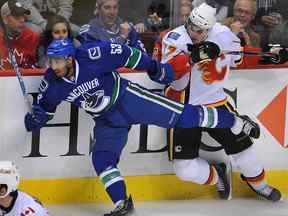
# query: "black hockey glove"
[204,50]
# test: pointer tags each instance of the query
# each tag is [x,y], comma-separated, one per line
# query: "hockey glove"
[37,118]
[203,51]
[280,57]
[133,40]
[161,73]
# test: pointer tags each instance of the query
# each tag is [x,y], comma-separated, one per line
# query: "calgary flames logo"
[210,73]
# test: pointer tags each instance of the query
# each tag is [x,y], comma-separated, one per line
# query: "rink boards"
[55,163]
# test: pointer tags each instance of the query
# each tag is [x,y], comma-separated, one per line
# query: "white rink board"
[256,89]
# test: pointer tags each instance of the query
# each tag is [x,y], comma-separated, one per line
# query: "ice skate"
[125,208]
[224,184]
[268,192]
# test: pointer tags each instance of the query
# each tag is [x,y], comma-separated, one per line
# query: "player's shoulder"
[99,50]
[222,35]
[93,49]
[30,206]
[221,31]
[48,79]
[175,35]
[50,75]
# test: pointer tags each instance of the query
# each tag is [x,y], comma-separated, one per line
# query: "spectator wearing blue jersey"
[85,77]
[108,26]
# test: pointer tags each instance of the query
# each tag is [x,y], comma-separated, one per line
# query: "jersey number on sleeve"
[116,49]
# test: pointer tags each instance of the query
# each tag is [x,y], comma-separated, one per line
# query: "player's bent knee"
[186,170]
[247,162]
[103,159]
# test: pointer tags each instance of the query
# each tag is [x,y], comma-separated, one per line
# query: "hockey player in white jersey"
[12,201]
[201,72]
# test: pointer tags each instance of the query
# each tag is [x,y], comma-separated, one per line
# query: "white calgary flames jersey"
[207,78]
[26,205]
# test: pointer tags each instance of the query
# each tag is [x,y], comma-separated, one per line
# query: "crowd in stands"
[31,24]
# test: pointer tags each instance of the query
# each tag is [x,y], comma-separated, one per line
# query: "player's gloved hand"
[161,73]
[279,55]
[203,51]
[133,40]
[37,118]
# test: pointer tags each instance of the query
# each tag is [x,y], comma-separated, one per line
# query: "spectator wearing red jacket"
[23,41]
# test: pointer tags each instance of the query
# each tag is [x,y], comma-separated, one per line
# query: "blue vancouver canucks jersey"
[96,86]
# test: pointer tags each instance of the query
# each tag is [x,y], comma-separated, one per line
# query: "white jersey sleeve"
[26,205]
[174,43]
[227,41]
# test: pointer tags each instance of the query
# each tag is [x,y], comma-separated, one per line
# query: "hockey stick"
[275,47]
[16,67]
[248,53]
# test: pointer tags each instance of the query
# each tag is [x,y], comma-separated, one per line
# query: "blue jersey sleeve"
[107,56]
[47,97]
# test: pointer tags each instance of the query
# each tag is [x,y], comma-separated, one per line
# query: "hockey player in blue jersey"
[85,77]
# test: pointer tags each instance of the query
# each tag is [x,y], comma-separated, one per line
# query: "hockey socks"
[114,184]
[208,117]
[258,182]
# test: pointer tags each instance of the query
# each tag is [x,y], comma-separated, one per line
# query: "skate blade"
[229,178]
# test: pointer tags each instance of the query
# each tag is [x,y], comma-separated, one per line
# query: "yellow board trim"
[143,188]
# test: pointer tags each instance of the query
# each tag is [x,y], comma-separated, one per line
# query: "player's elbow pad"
[181,65]
[161,73]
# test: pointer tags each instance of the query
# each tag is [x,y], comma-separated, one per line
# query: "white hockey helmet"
[203,16]
[8,176]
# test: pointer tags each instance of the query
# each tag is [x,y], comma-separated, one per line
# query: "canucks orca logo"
[95,103]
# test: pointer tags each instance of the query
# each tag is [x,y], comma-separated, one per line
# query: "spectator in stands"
[184,13]
[61,7]
[57,28]
[186,3]
[41,10]
[279,34]
[107,25]
[270,14]
[158,17]
[22,41]
[220,5]
[185,10]
[241,23]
